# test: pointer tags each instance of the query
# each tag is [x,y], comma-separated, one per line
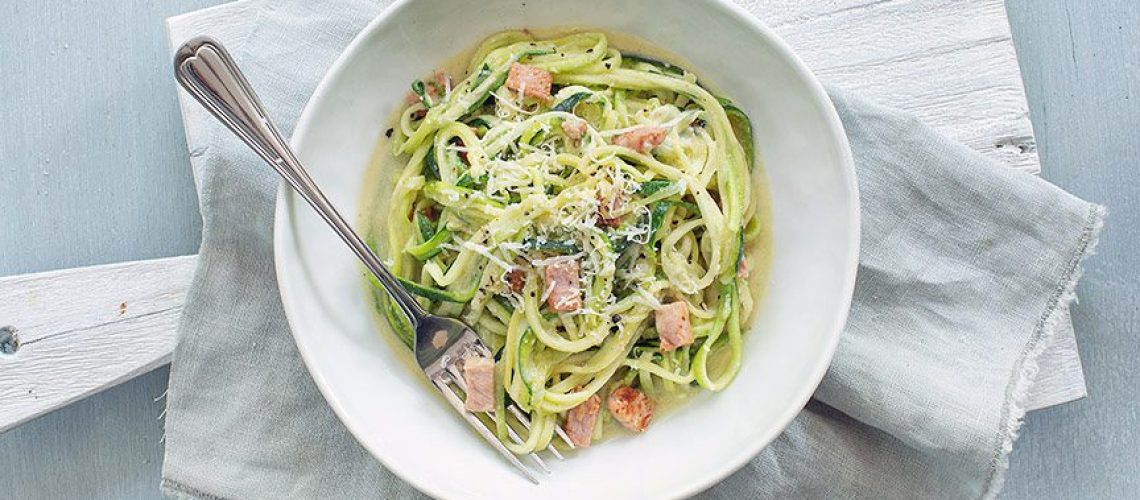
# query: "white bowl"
[368,378]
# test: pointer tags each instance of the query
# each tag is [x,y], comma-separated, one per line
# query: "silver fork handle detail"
[204,68]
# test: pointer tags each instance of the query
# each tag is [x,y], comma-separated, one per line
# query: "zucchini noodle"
[500,183]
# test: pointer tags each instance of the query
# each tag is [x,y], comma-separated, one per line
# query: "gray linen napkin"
[966,267]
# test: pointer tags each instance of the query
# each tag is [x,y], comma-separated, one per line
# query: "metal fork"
[204,68]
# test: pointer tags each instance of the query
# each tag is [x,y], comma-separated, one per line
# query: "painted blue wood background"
[93,169]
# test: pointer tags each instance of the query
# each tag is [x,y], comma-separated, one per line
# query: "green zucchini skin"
[650,187]
[664,67]
[431,247]
[553,246]
[567,105]
[742,128]
[436,294]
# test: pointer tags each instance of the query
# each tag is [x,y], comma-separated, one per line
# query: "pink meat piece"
[562,281]
[608,206]
[533,81]
[580,421]
[574,128]
[479,376]
[631,407]
[673,326]
[642,139]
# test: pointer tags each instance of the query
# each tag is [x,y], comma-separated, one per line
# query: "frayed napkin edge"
[1026,368]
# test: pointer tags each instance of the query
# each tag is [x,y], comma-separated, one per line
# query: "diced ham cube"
[479,376]
[562,281]
[608,222]
[631,407]
[581,420]
[532,81]
[607,206]
[574,128]
[516,280]
[673,326]
[642,139]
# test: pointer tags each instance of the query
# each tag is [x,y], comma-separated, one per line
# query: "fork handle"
[204,68]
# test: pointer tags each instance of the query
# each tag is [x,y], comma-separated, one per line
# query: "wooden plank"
[79,331]
[949,62]
[1058,370]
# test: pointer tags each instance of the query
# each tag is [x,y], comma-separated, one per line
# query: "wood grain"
[951,63]
[83,330]
[1060,375]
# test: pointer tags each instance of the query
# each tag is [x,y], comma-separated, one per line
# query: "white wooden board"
[950,62]
[82,330]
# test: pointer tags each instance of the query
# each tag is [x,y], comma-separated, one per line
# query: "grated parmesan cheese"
[486,252]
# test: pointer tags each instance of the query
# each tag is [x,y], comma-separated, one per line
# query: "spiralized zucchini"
[494,189]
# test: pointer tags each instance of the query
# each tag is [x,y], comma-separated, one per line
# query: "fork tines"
[447,376]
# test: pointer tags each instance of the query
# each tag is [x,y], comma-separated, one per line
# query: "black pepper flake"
[614,329]
[607,65]
[388,133]
[590,50]
[615,318]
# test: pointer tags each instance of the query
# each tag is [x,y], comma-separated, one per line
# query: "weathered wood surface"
[1060,376]
[950,62]
[76,332]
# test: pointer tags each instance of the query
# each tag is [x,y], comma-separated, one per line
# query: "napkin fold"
[966,269]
